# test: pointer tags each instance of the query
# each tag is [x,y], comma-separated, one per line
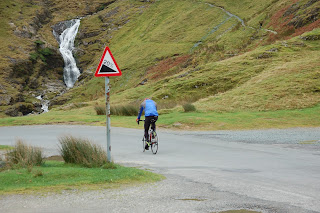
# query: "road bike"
[153,140]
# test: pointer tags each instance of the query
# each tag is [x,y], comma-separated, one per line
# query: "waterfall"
[44,103]
[66,41]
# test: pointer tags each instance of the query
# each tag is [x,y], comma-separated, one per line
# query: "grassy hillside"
[222,56]
[160,48]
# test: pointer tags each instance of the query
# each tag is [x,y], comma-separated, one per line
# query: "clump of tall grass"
[82,152]
[100,110]
[23,155]
[189,107]
[120,110]
[124,110]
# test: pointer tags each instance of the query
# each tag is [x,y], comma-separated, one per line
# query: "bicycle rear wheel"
[154,144]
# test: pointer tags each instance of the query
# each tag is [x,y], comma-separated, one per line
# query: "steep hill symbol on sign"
[107,66]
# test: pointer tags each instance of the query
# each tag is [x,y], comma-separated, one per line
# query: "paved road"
[261,170]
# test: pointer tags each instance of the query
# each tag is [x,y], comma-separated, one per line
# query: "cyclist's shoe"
[147,145]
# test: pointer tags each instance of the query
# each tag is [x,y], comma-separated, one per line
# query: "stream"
[229,16]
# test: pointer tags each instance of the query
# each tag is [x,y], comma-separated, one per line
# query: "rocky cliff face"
[39,69]
[31,78]
[299,17]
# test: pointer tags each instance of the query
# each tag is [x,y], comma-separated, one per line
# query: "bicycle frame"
[153,140]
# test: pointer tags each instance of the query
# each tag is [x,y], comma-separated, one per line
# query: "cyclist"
[151,116]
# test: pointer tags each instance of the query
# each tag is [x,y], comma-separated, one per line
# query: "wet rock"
[86,75]
[20,109]
[25,108]
[37,107]
[60,27]
[13,112]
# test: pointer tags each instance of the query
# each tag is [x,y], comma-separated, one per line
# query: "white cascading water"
[67,37]
[44,103]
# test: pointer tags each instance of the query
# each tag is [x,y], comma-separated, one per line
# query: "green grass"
[287,79]
[210,120]
[227,72]
[148,38]
[53,176]
[5,147]
[232,76]
[242,120]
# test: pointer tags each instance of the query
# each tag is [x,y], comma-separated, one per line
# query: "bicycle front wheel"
[154,145]
[144,144]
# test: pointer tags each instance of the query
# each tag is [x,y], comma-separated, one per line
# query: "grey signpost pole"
[108,118]
[107,67]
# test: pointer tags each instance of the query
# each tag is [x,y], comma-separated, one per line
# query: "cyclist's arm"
[142,107]
[140,112]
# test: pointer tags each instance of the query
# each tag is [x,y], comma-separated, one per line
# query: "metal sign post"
[108,67]
[108,118]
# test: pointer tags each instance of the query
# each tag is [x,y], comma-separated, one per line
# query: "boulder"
[5,99]
[20,109]
[13,112]
[16,98]
[60,27]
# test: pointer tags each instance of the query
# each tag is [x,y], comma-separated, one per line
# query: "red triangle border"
[107,49]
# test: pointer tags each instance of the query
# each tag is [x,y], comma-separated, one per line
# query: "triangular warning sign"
[107,66]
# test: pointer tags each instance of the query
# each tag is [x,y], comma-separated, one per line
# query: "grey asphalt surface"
[262,170]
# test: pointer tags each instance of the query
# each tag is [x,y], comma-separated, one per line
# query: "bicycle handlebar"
[152,121]
[139,121]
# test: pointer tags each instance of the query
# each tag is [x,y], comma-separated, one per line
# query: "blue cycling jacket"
[149,107]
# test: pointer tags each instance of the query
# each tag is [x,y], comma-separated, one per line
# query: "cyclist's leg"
[153,124]
[146,127]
